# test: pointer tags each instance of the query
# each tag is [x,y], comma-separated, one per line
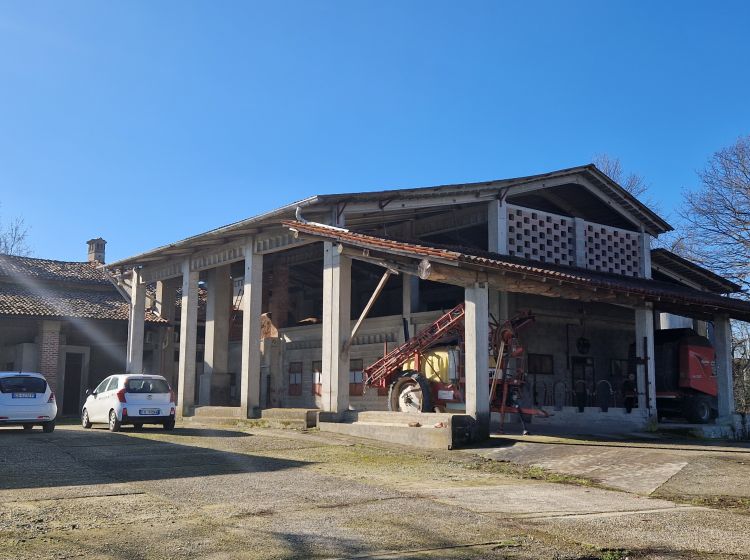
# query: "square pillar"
[252,294]
[336,328]
[724,373]
[136,324]
[409,302]
[166,294]
[497,242]
[476,340]
[580,240]
[644,243]
[644,347]
[188,342]
[216,345]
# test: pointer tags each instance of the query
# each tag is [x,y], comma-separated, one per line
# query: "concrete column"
[724,374]
[476,326]
[409,302]
[336,328]
[646,373]
[49,351]
[252,298]
[580,224]
[216,345]
[188,340]
[497,242]
[497,227]
[644,267]
[136,324]
[166,294]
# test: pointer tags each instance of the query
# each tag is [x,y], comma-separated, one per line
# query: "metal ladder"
[449,323]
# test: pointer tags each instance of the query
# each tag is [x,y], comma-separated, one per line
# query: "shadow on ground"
[72,458]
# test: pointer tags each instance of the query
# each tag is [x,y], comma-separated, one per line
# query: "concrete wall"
[609,329]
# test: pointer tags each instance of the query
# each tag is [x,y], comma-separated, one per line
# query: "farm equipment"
[685,367]
[426,373]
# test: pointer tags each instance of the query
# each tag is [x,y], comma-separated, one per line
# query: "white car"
[26,400]
[130,399]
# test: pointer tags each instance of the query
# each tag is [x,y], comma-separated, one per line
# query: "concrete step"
[402,418]
[424,437]
[290,417]
[428,430]
[217,412]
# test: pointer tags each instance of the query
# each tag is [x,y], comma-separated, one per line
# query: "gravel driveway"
[281,494]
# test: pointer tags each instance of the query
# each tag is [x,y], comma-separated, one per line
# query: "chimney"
[96,250]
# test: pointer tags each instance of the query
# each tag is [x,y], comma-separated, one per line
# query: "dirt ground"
[280,494]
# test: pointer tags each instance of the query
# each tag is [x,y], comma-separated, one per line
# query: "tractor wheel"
[699,410]
[410,392]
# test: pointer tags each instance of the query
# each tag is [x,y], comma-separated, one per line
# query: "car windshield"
[145,385]
[22,384]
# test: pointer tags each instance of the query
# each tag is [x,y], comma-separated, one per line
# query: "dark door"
[71,405]
[583,380]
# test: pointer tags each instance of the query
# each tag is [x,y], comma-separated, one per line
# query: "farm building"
[67,321]
[303,300]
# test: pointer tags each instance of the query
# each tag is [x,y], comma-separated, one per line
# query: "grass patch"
[515,470]
[731,503]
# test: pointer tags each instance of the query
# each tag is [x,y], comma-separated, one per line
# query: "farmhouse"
[67,321]
[301,300]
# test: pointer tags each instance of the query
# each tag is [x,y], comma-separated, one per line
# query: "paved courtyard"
[281,494]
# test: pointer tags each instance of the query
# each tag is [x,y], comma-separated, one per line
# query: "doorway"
[71,405]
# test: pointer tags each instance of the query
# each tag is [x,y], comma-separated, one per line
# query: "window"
[295,379]
[146,385]
[102,386]
[541,364]
[22,384]
[317,380]
[112,384]
[356,388]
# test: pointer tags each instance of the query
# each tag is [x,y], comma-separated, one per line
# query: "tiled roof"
[650,290]
[669,261]
[58,289]
[18,300]
[44,269]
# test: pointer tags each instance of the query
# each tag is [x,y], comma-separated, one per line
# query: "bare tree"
[717,215]
[612,167]
[13,238]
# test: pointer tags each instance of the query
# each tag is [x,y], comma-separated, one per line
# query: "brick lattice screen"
[610,249]
[541,236]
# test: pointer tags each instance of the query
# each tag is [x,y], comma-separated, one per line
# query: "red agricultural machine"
[426,373]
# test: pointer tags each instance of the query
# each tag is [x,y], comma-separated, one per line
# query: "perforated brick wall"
[610,249]
[541,236]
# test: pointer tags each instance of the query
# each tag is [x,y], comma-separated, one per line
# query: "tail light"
[121,395]
[51,398]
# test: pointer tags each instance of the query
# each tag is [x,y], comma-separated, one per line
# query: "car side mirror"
[88,392]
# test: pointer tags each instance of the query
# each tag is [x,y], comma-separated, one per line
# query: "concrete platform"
[299,418]
[425,430]
[223,412]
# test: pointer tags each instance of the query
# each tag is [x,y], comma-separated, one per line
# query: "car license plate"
[149,411]
[24,395]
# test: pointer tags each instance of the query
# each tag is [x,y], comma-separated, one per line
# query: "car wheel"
[48,427]
[169,425]
[114,423]
[85,422]
[28,427]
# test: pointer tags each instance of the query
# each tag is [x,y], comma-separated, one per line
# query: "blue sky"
[147,121]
